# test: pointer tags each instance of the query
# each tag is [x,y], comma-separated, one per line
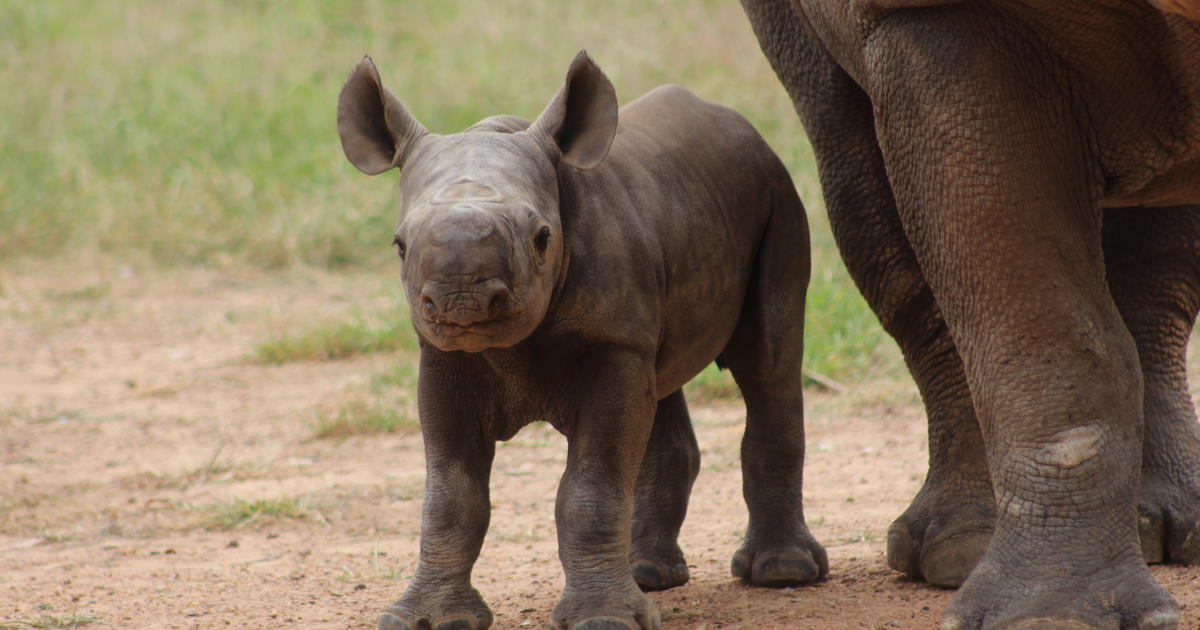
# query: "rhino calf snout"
[469,274]
[465,305]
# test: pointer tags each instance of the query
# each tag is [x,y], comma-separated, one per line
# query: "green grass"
[842,338]
[202,133]
[401,375]
[337,341]
[238,513]
[195,132]
[387,405]
[711,385]
[363,416]
[363,331]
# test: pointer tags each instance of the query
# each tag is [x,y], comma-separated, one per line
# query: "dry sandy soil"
[130,413]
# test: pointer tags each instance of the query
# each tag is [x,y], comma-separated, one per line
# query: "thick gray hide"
[1013,186]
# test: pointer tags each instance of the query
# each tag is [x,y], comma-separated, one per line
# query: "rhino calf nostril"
[498,301]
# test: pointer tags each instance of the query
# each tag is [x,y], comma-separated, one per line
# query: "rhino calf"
[580,269]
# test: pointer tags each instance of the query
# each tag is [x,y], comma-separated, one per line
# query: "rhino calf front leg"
[455,513]
[607,439]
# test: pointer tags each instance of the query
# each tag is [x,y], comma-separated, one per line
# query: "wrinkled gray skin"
[553,278]
[987,167]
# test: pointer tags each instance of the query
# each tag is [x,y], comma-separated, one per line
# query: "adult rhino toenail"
[948,564]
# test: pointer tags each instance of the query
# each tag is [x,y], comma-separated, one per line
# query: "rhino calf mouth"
[452,329]
[473,337]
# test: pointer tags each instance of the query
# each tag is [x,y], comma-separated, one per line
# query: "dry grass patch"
[389,405]
[330,341]
[360,416]
[52,622]
[240,513]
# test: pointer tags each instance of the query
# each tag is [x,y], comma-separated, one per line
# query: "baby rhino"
[579,270]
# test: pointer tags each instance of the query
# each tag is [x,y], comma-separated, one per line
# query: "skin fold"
[1008,185]
[580,269]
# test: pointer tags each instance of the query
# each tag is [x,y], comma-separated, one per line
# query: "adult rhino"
[987,167]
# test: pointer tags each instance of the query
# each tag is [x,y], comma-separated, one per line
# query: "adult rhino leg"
[1153,260]
[998,194]
[663,486]
[943,533]
[765,357]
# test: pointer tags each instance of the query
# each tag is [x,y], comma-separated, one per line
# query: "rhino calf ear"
[377,132]
[582,117]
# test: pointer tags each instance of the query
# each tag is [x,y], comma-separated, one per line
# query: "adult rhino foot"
[1169,520]
[943,534]
[624,609]
[656,570]
[453,610]
[781,566]
[1155,621]
[1120,596]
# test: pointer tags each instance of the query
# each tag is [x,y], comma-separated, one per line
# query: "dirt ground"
[130,412]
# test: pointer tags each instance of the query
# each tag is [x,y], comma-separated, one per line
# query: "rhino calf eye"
[542,239]
[400,249]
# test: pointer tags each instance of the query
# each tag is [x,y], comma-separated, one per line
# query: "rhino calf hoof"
[389,621]
[1047,623]
[395,620]
[606,623]
[776,568]
[651,575]
[455,624]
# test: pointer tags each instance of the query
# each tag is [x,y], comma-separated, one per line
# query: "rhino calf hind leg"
[663,486]
[765,357]
[778,549]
